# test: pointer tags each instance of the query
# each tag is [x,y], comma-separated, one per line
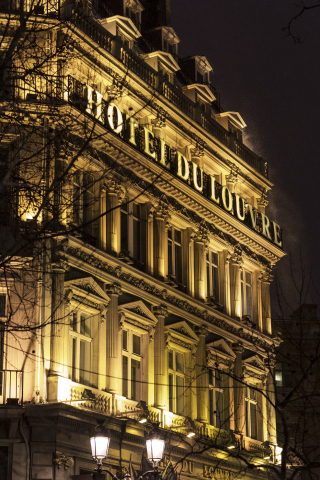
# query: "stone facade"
[139,279]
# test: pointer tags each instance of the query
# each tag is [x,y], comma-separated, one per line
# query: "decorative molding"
[60,458]
[113,289]
[160,311]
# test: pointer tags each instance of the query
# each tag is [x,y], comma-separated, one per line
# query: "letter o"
[111,106]
[227,205]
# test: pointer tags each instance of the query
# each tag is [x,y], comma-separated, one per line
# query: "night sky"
[274,84]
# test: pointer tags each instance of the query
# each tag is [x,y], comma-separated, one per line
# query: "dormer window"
[123,27]
[169,47]
[233,122]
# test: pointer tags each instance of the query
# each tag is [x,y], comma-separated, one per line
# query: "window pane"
[73,321]
[208,281]
[124,230]
[171,359]
[253,418]
[180,395]
[210,377]
[178,263]
[125,340]
[82,360]
[136,210]
[248,278]
[3,297]
[125,376]
[249,299]
[211,402]
[179,362]
[171,393]
[214,257]
[215,281]
[135,378]
[136,344]
[82,325]
[136,239]
[219,409]
[242,299]
[72,359]
[177,236]
[170,233]
[170,271]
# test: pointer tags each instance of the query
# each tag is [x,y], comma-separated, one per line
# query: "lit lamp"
[155,447]
[100,441]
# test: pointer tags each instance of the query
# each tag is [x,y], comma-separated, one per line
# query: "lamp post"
[100,441]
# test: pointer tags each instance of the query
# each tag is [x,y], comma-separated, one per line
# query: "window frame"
[172,263]
[250,406]
[130,386]
[245,311]
[131,243]
[214,389]
[175,397]
[213,270]
[77,336]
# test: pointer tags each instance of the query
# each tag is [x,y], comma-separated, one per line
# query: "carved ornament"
[60,458]
[68,296]
[151,333]
[113,289]
[160,311]
[158,122]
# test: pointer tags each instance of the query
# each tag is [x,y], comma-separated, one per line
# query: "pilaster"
[112,340]
[266,279]
[160,359]
[239,392]
[114,195]
[200,245]
[202,377]
[235,267]
[160,244]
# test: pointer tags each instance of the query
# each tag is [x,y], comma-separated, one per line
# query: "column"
[114,360]
[190,236]
[239,392]
[271,413]
[202,377]
[103,219]
[265,301]
[159,222]
[160,359]
[262,204]
[259,302]
[264,412]
[150,210]
[113,226]
[235,265]
[197,155]
[199,268]
[227,289]
[59,322]
[231,181]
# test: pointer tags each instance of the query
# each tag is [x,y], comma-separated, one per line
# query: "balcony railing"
[11,387]
[50,88]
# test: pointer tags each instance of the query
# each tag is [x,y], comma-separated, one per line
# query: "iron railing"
[11,387]
[51,88]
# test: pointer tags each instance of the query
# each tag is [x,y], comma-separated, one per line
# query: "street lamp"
[155,446]
[100,441]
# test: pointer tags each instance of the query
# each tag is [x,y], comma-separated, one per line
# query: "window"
[278,374]
[175,254]
[246,293]
[132,231]
[251,413]
[176,382]
[131,365]
[80,348]
[83,200]
[1,355]
[213,276]
[216,398]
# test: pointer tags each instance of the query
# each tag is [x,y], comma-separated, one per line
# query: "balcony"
[11,388]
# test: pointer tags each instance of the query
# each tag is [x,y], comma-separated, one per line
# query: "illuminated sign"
[188,172]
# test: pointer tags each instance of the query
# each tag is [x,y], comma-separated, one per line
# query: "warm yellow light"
[232,446]
[191,434]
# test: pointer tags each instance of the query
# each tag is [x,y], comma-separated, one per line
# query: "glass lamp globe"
[100,441]
[155,444]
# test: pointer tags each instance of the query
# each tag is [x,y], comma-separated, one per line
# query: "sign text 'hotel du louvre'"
[189,172]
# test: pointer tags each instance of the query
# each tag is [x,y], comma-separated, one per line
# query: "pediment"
[139,311]
[201,89]
[183,331]
[87,287]
[221,348]
[255,364]
[235,117]
[124,23]
[165,58]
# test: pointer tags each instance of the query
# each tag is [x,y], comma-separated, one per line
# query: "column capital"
[266,276]
[238,348]
[61,266]
[159,122]
[232,178]
[262,201]
[201,330]
[160,310]
[114,188]
[202,234]
[236,256]
[113,289]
